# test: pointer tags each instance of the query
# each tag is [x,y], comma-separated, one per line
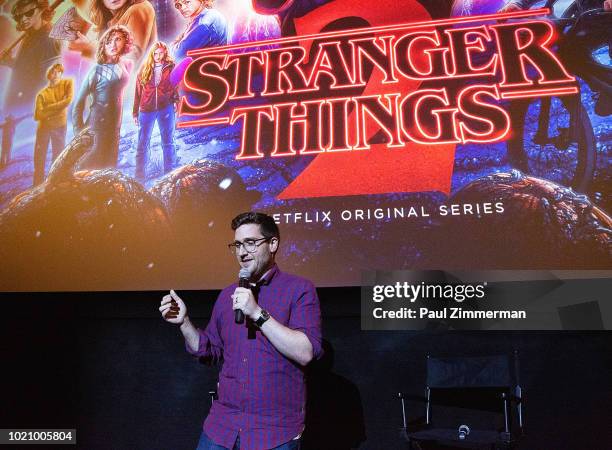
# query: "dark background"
[108,365]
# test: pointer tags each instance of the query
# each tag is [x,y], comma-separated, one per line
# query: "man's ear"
[274,244]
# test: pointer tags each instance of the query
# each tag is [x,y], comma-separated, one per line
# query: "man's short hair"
[53,68]
[267,225]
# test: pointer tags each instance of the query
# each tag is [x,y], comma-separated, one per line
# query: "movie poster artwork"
[387,135]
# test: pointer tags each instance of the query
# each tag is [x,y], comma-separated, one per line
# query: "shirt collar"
[196,19]
[267,277]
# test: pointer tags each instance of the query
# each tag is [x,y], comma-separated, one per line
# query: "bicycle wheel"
[553,139]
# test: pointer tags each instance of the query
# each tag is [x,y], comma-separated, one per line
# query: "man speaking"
[262,393]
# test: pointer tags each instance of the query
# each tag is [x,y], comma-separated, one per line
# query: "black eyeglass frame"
[234,247]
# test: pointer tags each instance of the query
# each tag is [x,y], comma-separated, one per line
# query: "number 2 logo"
[413,168]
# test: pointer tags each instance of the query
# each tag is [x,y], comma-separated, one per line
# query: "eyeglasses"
[29,13]
[250,245]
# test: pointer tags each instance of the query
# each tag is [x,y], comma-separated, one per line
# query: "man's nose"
[242,251]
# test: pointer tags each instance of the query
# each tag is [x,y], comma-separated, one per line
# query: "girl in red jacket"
[155,100]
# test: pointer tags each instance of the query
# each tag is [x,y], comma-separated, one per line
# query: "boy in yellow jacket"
[51,113]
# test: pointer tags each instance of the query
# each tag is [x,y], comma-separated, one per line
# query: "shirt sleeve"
[306,317]
[211,344]
[175,94]
[39,110]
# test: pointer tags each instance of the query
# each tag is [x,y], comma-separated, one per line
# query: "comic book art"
[390,135]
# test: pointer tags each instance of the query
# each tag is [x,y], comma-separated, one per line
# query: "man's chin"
[247,265]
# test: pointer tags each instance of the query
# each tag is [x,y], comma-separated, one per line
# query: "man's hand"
[173,309]
[243,299]
[136,120]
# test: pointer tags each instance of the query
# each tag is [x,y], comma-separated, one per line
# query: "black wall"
[108,365]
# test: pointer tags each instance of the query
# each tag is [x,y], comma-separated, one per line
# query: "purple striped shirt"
[262,394]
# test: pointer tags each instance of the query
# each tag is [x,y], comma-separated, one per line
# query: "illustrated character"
[34,55]
[138,16]
[154,101]
[206,27]
[105,84]
[8,35]
[51,113]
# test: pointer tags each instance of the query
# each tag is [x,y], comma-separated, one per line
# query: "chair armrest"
[403,397]
[412,397]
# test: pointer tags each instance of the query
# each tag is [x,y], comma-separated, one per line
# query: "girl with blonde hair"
[154,101]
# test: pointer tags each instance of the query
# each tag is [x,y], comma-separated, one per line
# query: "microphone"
[243,281]
[464,431]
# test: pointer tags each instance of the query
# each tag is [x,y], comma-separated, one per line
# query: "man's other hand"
[173,309]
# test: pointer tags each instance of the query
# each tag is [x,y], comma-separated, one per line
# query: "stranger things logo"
[381,108]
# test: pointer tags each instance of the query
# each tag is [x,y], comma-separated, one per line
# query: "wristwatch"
[263,316]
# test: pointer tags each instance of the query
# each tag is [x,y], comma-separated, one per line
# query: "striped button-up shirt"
[262,393]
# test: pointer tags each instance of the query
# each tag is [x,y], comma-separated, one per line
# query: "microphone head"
[244,273]
[464,431]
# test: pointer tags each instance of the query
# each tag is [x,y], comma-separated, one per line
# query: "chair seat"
[450,436]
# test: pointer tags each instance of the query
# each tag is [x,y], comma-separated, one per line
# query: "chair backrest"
[471,390]
[470,372]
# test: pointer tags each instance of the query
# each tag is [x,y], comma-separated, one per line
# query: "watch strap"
[263,317]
